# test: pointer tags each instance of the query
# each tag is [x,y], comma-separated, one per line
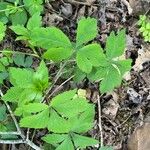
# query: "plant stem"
[100,121]
[17,52]
[24,139]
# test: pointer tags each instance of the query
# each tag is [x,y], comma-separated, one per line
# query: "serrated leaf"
[54,138]
[2,29]
[66,145]
[83,141]
[72,108]
[89,56]
[63,98]
[20,30]
[34,22]
[86,31]
[115,44]
[19,17]
[28,95]
[111,80]
[79,75]
[124,65]
[50,37]
[57,54]
[83,122]
[54,123]
[13,94]
[21,77]
[31,108]
[98,73]
[34,6]
[37,121]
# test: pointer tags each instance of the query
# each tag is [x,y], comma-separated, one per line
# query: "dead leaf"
[140,139]
[143,56]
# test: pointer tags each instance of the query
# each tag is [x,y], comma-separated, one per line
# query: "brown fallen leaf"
[143,56]
[140,139]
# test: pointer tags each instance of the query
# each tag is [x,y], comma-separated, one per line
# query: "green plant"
[144,24]
[90,59]
[24,33]
[34,6]
[13,13]
[67,116]
[28,85]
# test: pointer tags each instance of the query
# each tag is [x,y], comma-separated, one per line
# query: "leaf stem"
[17,52]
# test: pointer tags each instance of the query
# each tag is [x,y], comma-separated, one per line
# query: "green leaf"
[115,44]
[79,75]
[3,76]
[34,6]
[57,54]
[89,56]
[50,37]
[86,31]
[72,108]
[34,22]
[19,59]
[40,78]
[31,108]
[124,65]
[112,79]
[2,29]
[3,113]
[19,17]
[20,30]
[66,145]
[3,17]
[83,122]
[98,73]
[54,138]
[30,94]
[21,77]
[54,123]
[37,121]
[13,94]
[83,141]
[63,98]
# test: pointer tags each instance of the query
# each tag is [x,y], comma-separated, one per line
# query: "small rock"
[66,9]
[134,96]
